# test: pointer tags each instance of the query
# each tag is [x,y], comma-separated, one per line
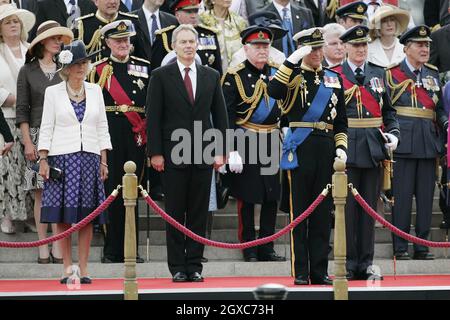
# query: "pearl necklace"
[389,47]
[74,93]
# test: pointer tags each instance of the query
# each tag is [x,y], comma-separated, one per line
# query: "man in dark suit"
[294,19]
[439,48]
[130,5]
[318,9]
[62,12]
[367,146]
[182,98]
[152,19]
[417,97]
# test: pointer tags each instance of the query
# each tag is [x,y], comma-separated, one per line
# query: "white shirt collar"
[68,4]
[353,66]
[148,14]
[410,66]
[279,8]
[182,67]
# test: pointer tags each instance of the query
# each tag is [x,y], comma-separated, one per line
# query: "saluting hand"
[157,163]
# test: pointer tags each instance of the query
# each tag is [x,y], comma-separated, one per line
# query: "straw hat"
[49,29]
[402,16]
[28,18]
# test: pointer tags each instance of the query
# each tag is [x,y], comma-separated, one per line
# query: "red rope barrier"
[396,230]
[244,245]
[68,232]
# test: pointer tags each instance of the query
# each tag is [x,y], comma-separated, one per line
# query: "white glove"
[285,131]
[298,54]
[341,154]
[235,162]
[222,169]
[393,142]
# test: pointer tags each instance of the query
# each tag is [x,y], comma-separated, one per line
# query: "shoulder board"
[234,70]
[334,71]
[131,15]
[208,28]
[86,16]
[375,65]
[392,66]
[163,30]
[273,64]
[432,66]
[140,59]
[99,62]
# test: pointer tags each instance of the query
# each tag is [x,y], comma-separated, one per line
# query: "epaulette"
[131,15]
[207,28]
[163,30]
[95,64]
[432,66]
[85,16]
[393,66]
[273,64]
[234,70]
[375,65]
[140,59]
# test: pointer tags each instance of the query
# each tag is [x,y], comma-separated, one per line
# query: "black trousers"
[124,149]
[443,201]
[310,239]
[413,177]
[246,214]
[359,226]
[186,200]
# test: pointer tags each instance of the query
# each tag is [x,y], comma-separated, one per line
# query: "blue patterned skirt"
[78,193]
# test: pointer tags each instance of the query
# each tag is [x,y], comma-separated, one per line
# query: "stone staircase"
[21,263]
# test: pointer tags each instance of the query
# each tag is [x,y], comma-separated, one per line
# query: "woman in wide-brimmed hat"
[35,76]
[74,138]
[386,24]
[14,27]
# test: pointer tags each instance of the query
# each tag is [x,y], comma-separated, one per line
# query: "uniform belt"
[125,108]
[259,127]
[315,125]
[365,123]
[416,112]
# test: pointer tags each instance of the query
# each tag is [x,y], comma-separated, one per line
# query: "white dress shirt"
[354,66]
[280,8]
[149,19]
[192,74]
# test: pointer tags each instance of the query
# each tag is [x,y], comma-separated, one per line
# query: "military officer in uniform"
[369,109]
[352,14]
[124,79]
[88,28]
[313,102]
[186,12]
[256,115]
[416,95]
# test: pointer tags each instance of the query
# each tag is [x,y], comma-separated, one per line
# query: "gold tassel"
[105,76]
[331,8]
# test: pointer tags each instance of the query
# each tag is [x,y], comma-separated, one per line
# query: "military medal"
[333,113]
[376,85]
[331,82]
[140,84]
[317,79]
[334,99]
[211,59]
[290,156]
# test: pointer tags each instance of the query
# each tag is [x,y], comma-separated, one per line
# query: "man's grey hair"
[332,29]
[183,27]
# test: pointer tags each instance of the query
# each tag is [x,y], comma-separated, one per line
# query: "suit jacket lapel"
[144,24]
[348,72]
[295,16]
[404,67]
[178,80]
[62,9]
[201,77]
[272,8]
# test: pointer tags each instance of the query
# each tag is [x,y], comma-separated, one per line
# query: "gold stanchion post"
[130,193]
[340,191]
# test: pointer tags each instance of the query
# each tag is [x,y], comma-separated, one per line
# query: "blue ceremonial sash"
[263,110]
[295,138]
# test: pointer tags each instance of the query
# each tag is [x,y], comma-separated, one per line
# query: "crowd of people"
[87,85]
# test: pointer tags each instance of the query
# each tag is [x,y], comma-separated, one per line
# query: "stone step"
[211,269]
[158,237]
[158,253]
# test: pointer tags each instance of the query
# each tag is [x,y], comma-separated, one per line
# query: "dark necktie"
[153,28]
[188,85]
[417,73]
[359,75]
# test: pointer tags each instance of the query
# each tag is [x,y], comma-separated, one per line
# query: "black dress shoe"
[85,280]
[323,280]
[351,275]
[204,260]
[402,256]
[423,256]
[180,277]
[444,225]
[139,260]
[271,257]
[106,259]
[195,277]
[301,281]
[250,257]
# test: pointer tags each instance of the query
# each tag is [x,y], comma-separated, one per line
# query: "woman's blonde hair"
[23,33]
[376,32]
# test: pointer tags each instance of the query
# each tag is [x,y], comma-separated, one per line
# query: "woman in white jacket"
[14,26]
[386,24]
[73,137]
